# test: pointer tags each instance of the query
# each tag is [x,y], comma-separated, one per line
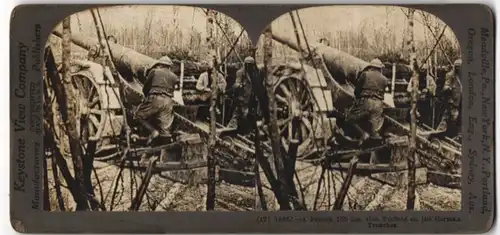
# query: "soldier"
[369,105]
[243,88]
[426,91]
[204,87]
[204,83]
[93,54]
[324,41]
[452,94]
[158,104]
[112,39]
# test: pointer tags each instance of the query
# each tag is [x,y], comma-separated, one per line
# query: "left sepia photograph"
[137,102]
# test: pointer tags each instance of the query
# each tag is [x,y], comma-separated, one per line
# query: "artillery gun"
[331,75]
[101,97]
[309,99]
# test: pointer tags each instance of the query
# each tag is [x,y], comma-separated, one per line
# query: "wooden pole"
[273,123]
[137,200]
[339,201]
[70,114]
[296,198]
[413,126]
[61,98]
[57,183]
[411,155]
[433,99]
[46,196]
[260,200]
[393,85]
[210,203]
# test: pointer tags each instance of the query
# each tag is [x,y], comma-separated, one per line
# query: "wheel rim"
[294,109]
[90,115]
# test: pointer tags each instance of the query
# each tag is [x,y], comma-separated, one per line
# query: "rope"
[98,21]
[317,74]
[314,66]
[314,98]
[110,60]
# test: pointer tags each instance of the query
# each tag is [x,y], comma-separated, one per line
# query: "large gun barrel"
[127,61]
[341,65]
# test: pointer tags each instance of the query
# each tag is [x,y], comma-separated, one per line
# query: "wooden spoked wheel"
[295,112]
[91,117]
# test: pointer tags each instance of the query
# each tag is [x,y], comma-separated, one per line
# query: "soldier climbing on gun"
[156,110]
[367,111]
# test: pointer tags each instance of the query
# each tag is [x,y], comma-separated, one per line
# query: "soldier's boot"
[144,159]
[134,137]
[375,136]
[233,123]
[362,140]
[418,116]
[152,136]
[372,140]
[443,125]
[261,127]
[374,158]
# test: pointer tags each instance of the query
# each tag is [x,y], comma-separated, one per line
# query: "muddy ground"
[163,194]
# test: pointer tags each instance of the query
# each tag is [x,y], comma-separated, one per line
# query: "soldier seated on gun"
[158,105]
[452,95]
[369,107]
[324,41]
[94,54]
[426,91]
[112,39]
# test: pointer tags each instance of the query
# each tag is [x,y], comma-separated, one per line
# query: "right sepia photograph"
[170,108]
[367,107]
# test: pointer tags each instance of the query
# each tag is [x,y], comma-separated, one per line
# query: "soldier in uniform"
[112,39]
[243,87]
[93,54]
[157,107]
[204,87]
[426,91]
[204,83]
[368,107]
[324,41]
[452,94]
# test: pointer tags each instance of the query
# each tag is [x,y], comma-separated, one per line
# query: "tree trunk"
[69,114]
[413,127]
[46,201]
[210,203]
[260,200]
[273,124]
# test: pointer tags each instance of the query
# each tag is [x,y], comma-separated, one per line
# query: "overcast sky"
[315,19]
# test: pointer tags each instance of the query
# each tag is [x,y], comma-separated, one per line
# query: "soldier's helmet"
[93,51]
[205,65]
[424,68]
[249,60]
[376,63]
[165,60]
[112,39]
[457,63]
